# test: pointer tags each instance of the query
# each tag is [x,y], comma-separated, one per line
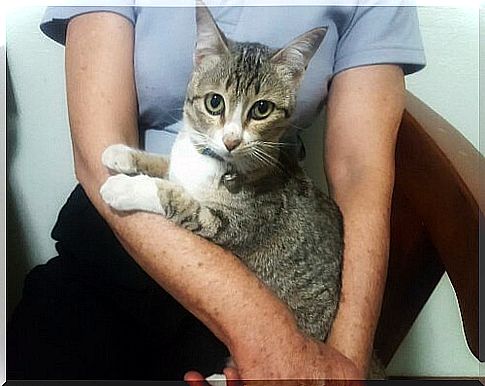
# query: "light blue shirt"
[165,39]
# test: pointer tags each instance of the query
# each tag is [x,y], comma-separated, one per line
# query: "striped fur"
[279,224]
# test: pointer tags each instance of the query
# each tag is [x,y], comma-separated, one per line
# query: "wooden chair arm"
[436,210]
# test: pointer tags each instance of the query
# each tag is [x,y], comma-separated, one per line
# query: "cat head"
[241,95]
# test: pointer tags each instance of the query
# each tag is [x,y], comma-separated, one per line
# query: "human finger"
[233,378]
[194,378]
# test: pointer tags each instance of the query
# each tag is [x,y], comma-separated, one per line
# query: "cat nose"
[231,142]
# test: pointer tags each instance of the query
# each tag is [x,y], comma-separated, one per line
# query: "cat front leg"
[156,195]
[127,160]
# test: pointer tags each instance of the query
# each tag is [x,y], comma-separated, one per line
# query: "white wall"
[40,173]
[40,170]
[449,84]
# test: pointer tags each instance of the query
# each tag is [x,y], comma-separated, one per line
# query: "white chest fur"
[197,173]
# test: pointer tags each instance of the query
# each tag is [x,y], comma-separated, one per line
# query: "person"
[134,296]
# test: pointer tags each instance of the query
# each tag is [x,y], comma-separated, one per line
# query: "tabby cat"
[232,179]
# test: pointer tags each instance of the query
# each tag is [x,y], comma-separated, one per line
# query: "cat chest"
[198,174]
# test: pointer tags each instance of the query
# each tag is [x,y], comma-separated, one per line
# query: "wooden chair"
[436,210]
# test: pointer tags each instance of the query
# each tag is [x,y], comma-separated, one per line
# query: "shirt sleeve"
[55,20]
[381,35]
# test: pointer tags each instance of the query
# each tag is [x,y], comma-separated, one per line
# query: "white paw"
[125,193]
[216,380]
[119,158]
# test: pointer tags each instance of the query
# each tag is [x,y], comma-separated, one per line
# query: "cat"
[232,179]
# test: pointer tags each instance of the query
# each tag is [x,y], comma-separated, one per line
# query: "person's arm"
[256,326]
[364,111]
[103,111]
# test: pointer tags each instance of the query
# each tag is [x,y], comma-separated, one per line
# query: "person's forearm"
[366,213]
[364,111]
[209,281]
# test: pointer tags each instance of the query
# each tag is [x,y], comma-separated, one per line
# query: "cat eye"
[261,109]
[214,103]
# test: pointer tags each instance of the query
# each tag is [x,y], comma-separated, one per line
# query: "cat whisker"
[273,148]
[198,136]
[258,158]
[197,133]
[270,160]
[244,148]
[204,139]
[242,151]
[266,154]
[199,145]
[252,152]
[275,144]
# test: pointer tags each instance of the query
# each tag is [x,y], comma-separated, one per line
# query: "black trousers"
[93,313]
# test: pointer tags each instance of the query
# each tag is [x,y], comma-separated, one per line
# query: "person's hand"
[307,362]
[194,378]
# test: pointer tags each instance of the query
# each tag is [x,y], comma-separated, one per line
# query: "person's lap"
[92,313]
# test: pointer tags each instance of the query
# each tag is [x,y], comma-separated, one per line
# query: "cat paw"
[129,193]
[119,158]
[217,380]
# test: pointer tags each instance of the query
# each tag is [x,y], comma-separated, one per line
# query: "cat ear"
[297,54]
[210,39]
